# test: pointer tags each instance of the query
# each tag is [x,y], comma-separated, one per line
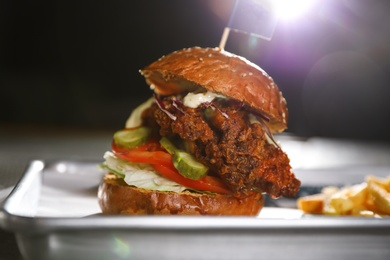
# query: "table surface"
[19,145]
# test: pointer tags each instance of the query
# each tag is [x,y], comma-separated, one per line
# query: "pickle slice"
[168,145]
[188,166]
[133,137]
[184,162]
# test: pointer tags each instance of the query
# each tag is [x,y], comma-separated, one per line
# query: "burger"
[202,144]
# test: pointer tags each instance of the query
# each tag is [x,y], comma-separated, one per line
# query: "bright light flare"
[290,9]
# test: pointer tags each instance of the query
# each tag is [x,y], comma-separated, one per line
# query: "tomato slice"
[207,183]
[157,157]
[152,153]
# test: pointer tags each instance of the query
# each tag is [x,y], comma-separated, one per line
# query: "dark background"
[75,63]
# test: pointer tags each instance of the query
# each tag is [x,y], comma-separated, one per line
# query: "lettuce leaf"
[139,175]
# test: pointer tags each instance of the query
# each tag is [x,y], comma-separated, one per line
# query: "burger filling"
[229,139]
[222,135]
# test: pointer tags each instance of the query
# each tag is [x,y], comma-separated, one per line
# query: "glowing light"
[289,9]
[121,248]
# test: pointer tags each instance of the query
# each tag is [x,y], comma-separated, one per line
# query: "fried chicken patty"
[223,138]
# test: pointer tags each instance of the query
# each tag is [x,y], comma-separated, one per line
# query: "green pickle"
[188,166]
[184,162]
[131,138]
[168,145]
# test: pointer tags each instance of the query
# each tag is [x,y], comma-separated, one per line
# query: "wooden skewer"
[224,38]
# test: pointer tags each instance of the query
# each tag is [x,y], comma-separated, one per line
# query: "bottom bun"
[116,197]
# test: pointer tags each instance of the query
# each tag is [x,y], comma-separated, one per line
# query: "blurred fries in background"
[368,199]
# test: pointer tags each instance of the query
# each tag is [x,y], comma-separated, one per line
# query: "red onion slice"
[213,105]
[267,131]
[161,105]
[176,103]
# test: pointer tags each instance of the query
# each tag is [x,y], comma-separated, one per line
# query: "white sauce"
[193,100]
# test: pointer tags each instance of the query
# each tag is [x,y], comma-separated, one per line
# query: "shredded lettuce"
[139,175]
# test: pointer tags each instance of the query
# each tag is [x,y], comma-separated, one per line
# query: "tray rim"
[25,224]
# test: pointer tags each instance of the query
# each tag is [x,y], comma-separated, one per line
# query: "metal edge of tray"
[9,221]
[21,224]
[31,224]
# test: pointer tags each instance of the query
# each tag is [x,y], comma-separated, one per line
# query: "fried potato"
[368,199]
[317,203]
[384,183]
[313,204]
[348,198]
[380,197]
[363,212]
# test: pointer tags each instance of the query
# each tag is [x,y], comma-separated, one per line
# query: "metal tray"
[54,214]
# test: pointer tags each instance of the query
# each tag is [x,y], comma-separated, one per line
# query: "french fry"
[379,196]
[330,211]
[329,191]
[348,198]
[341,204]
[384,183]
[365,213]
[313,204]
[369,204]
[317,203]
[362,211]
[368,199]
